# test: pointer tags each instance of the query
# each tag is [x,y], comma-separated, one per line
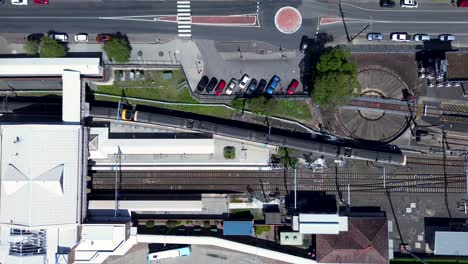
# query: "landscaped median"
[168,89]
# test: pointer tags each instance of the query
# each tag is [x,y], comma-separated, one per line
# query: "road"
[137,16]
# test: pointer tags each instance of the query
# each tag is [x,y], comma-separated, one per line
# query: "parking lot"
[200,254]
[226,62]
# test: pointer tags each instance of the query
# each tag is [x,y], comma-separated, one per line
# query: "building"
[320,223]
[366,241]
[449,243]
[238,228]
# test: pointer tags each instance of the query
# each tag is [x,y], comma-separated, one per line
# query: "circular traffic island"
[288,20]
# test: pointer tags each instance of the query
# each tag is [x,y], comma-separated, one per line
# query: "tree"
[31,47]
[286,158]
[50,48]
[335,79]
[118,49]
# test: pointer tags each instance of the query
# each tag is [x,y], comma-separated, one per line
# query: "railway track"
[434,162]
[280,181]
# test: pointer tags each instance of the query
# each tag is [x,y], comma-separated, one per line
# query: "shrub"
[50,48]
[229,152]
[31,47]
[149,224]
[118,49]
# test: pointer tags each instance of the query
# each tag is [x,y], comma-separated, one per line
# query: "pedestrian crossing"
[184,19]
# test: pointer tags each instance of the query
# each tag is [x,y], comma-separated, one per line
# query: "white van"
[60,37]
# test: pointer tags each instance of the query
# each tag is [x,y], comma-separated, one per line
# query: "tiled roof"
[365,242]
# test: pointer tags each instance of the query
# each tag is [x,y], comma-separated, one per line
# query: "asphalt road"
[137,16]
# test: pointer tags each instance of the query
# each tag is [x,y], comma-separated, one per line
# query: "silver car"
[374,36]
[446,37]
[232,85]
[421,37]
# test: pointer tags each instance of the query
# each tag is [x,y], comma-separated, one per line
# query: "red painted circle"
[288,19]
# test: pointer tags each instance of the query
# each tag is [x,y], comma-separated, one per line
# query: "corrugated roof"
[238,228]
[40,173]
[451,243]
[19,67]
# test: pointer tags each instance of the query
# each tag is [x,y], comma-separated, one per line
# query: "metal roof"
[149,205]
[71,105]
[40,171]
[22,67]
[451,243]
[238,228]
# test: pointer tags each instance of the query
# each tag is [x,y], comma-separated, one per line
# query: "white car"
[81,37]
[421,37]
[243,81]
[446,37]
[19,2]
[60,37]
[409,3]
[400,37]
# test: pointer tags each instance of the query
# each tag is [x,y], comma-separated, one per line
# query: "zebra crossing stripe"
[184,19]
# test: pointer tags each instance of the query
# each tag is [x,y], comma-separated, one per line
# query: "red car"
[220,88]
[292,87]
[41,2]
[101,38]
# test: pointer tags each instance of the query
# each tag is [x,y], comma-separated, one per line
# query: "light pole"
[118,169]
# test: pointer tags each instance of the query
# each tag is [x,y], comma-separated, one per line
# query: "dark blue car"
[274,83]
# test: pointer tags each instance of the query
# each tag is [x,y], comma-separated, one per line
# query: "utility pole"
[118,170]
[295,189]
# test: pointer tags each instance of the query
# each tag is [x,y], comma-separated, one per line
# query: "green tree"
[286,157]
[335,79]
[118,49]
[31,47]
[50,48]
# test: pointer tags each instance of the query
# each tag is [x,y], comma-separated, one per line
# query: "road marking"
[258,6]
[406,10]
[184,19]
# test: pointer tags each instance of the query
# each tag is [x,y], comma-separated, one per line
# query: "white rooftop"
[71,105]
[109,146]
[40,171]
[320,223]
[18,67]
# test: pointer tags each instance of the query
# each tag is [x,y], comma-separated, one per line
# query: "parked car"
[202,83]
[220,88]
[446,37]
[374,36]
[261,86]
[81,37]
[304,44]
[421,37]
[243,81]
[19,2]
[292,86]
[387,3]
[211,85]
[274,83]
[126,114]
[60,37]
[41,2]
[400,37]
[462,3]
[35,37]
[101,38]
[409,3]
[232,85]
[251,88]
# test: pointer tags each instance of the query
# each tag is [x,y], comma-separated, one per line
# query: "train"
[316,143]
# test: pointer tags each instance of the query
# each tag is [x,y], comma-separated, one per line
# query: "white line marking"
[184,19]
[184,26]
[183,10]
[183,6]
[185,30]
[183,2]
[183,14]
[405,10]
[184,22]
[185,35]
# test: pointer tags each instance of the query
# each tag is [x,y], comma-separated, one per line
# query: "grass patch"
[153,87]
[261,229]
[239,211]
[291,109]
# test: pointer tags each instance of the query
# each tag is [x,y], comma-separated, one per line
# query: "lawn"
[154,86]
[291,109]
